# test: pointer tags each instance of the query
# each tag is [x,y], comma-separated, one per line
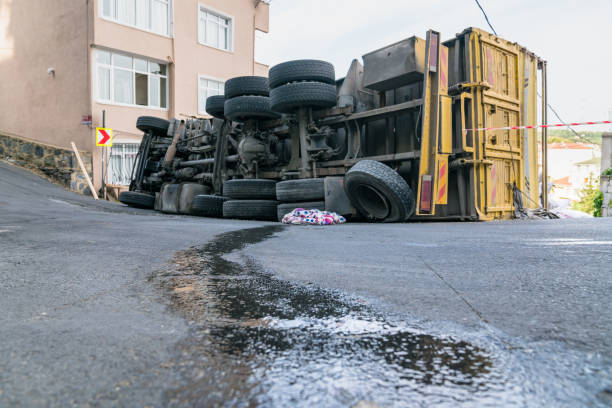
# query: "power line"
[486,17]
[549,106]
[568,126]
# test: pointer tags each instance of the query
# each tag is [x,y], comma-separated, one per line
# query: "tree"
[590,198]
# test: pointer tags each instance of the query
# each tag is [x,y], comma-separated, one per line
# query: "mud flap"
[336,199]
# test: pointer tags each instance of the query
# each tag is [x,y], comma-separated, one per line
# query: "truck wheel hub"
[373,202]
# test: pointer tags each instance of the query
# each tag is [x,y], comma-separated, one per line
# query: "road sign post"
[104,139]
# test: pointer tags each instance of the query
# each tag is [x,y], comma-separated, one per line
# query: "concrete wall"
[34,36]
[606,151]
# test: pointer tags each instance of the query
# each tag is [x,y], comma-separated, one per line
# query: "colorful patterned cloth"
[300,216]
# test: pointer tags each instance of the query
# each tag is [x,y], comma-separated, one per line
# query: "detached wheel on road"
[286,208]
[261,189]
[300,190]
[136,199]
[378,192]
[153,124]
[289,97]
[247,85]
[246,107]
[215,106]
[208,205]
[264,210]
[302,70]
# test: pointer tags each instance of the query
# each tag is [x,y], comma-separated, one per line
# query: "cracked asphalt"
[86,321]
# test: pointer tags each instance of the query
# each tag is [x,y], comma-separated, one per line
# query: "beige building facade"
[65,62]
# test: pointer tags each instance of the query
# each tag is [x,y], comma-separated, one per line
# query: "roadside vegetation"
[591,199]
[567,136]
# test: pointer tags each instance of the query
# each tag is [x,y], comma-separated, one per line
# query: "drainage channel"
[258,340]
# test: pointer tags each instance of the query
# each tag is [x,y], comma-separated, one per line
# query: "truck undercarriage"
[390,141]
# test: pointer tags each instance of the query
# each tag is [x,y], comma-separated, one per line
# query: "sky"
[575,37]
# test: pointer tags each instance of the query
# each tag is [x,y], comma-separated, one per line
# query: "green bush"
[591,198]
[597,203]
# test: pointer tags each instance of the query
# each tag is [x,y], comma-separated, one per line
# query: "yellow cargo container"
[481,81]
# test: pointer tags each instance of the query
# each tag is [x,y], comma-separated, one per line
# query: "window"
[215,29]
[149,15]
[121,161]
[208,87]
[127,80]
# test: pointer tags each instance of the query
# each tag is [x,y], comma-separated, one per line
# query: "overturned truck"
[404,136]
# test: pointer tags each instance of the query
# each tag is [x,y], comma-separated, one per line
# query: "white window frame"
[201,100]
[202,8]
[115,18]
[134,71]
[123,154]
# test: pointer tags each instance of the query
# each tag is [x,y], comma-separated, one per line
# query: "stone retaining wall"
[59,164]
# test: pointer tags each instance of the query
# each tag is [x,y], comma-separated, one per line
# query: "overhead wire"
[486,17]
[567,125]
[548,104]
[518,202]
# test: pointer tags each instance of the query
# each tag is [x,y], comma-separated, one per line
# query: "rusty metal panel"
[395,65]
[497,89]
[336,199]
[500,70]
[499,181]
[500,104]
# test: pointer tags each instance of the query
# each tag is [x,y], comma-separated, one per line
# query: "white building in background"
[570,165]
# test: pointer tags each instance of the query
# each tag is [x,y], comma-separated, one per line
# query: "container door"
[501,104]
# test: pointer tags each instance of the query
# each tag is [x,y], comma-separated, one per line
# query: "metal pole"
[103,157]
[544,139]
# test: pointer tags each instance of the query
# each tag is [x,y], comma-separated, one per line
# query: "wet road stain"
[256,340]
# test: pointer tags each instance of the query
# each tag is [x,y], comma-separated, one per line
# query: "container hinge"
[467,86]
[469,162]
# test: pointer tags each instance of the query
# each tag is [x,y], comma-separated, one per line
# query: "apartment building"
[67,63]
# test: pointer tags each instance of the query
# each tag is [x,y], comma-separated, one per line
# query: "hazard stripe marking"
[442,189]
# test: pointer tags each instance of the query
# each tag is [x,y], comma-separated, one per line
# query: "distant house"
[570,166]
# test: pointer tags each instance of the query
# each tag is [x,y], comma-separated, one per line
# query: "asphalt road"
[97,308]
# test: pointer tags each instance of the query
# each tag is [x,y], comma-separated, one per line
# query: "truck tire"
[153,124]
[215,106]
[250,209]
[242,108]
[208,205]
[286,208]
[288,97]
[300,190]
[257,189]
[247,85]
[378,192]
[302,70]
[136,199]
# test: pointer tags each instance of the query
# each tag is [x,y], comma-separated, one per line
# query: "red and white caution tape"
[601,122]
